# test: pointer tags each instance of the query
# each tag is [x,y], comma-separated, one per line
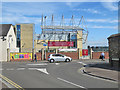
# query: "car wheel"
[67,60]
[52,61]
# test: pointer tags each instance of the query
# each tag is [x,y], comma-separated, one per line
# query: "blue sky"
[101,17]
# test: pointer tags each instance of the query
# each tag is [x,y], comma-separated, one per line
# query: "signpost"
[44,44]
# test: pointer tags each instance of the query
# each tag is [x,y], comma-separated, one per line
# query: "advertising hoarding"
[20,56]
[85,52]
[61,43]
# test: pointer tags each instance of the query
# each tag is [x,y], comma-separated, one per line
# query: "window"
[18,35]
[58,55]
[54,55]
[44,35]
[18,27]
[10,35]
[12,39]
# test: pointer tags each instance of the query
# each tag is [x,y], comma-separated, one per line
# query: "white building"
[7,41]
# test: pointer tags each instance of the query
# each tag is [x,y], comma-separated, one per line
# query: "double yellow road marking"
[11,82]
[81,70]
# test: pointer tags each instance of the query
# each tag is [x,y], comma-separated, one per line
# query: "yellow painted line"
[82,68]
[11,82]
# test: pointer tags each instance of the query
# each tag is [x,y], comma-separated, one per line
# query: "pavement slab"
[103,73]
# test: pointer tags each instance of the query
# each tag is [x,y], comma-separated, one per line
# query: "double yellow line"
[11,82]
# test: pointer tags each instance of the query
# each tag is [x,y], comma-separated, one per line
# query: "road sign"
[44,44]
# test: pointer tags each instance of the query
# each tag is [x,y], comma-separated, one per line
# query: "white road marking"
[70,83]
[82,63]
[43,70]
[57,63]
[9,69]
[37,64]
[20,68]
[51,63]
[66,63]
[32,68]
[1,69]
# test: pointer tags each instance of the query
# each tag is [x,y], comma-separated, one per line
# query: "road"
[52,75]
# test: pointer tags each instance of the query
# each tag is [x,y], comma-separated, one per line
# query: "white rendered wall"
[3,50]
[11,41]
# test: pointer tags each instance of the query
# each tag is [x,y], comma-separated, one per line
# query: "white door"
[60,57]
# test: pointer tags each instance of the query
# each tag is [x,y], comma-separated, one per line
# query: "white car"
[58,57]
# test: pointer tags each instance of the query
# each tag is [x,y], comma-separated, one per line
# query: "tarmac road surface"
[52,75]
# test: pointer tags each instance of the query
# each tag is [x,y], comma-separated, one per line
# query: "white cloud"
[114,21]
[98,43]
[89,10]
[96,20]
[103,27]
[59,0]
[103,20]
[68,3]
[26,12]
[19,19]
[29,8]
[112,6]
[72,4]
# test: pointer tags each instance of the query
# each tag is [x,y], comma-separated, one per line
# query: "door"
[60,57]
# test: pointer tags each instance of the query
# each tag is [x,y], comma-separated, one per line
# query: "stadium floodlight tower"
[62,32]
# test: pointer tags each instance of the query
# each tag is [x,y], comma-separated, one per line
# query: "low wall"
[39,56]
[28,56]
[47,54]
[96,55]
[73,55]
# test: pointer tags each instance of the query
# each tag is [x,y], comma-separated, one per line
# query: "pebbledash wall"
[114,50]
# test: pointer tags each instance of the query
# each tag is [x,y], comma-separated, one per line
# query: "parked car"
[58,57]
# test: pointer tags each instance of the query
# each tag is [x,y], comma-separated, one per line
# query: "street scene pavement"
[75,74]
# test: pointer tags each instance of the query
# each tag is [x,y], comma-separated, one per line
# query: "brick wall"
[47,53]
[96,55]
[73,55]
[39,56]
